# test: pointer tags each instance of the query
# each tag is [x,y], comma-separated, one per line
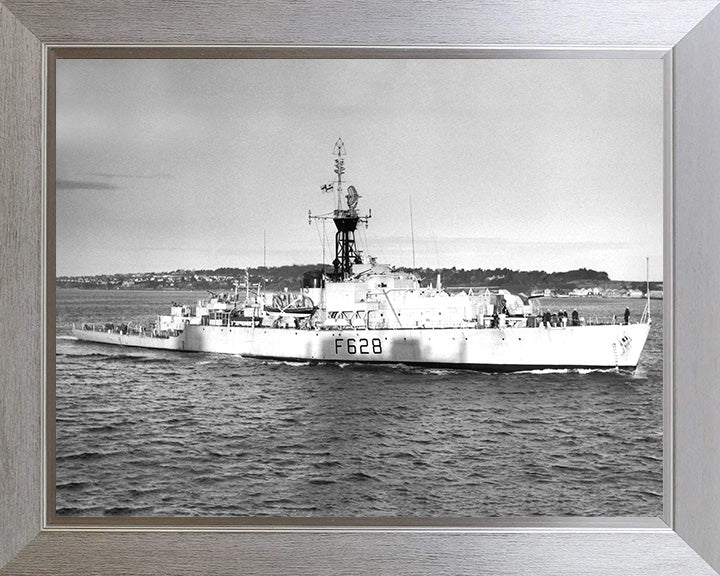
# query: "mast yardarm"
[345,217]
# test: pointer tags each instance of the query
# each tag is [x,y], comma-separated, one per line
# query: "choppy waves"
[155,433]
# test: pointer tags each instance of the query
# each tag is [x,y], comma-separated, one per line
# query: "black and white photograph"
[363,288]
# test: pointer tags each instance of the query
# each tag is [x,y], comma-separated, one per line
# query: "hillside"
[279,277]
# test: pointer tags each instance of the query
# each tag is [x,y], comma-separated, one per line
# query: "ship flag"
[327,187]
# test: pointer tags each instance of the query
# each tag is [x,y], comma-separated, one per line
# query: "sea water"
[158,433]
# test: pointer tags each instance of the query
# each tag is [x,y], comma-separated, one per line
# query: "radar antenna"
[345,219]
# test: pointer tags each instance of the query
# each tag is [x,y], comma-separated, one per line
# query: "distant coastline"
[580,282]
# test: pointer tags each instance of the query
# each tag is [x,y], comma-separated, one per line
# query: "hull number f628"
[358,345]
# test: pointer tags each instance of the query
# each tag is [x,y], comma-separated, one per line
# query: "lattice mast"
[345,217]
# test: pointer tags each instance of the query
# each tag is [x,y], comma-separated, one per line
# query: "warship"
[363,311]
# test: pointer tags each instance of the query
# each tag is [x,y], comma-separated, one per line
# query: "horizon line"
[330,266]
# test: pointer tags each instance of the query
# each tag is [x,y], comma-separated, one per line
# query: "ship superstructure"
[363,311]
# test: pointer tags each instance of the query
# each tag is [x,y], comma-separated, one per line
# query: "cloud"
[83,185]
[157,176]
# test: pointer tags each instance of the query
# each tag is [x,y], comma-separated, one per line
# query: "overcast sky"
[529,164]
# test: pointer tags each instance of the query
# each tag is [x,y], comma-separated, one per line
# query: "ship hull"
[493,350]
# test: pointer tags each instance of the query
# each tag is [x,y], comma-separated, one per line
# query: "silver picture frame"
[685,34]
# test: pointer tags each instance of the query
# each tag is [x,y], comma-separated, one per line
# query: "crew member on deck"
[575,318]
[627,315]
